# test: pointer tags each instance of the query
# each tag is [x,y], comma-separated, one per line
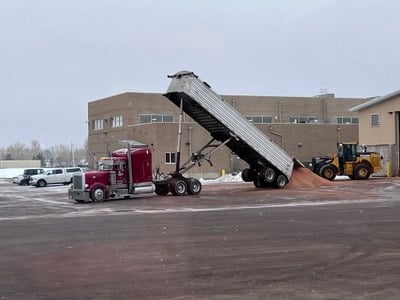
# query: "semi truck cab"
[117,176]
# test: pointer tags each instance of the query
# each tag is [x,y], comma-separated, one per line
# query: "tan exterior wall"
[300,140]
[385,133]
[383,138]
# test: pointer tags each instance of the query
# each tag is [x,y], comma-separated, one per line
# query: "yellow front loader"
[348,161]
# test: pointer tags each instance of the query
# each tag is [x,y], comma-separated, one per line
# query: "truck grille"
[78,182]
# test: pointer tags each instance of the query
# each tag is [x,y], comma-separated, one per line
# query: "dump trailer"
[269,164]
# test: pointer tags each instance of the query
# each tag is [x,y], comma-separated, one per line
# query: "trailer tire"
[362,171]
[269,175]
[194,186]
[178,187]
[98,194]
[248,175]
[261,184]
[328,172]
[257,183]
[280,181]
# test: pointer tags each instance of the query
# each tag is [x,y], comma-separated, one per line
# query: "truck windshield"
[106,164]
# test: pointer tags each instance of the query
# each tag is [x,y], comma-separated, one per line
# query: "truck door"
[121,172]
[55,176]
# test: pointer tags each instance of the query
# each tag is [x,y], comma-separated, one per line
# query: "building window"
[259,119]
[267,119]
[147,118]
[170,157]
[344,120]
[167,119]
[156,118]
[116,121]
[374,120]
[98,124]
[303,119]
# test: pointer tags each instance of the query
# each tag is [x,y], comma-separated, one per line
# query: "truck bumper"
[79,195]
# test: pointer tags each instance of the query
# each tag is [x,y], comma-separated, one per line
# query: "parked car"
[23,179]
[54,176]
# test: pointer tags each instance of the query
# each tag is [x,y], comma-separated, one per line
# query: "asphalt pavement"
[232,241]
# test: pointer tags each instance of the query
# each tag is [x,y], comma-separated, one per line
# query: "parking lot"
[232,241]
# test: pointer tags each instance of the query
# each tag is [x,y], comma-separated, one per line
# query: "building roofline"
[374,101]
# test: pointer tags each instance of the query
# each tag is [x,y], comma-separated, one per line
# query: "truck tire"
[41,183]
[328,172]
[260,183]
[269,175]
[248,175]
[162,189]
[362,171]
[257,183]
[98,194]
[194,186]
[280,181]
[178,187]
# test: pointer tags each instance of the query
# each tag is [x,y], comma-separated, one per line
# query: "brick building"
[302,126]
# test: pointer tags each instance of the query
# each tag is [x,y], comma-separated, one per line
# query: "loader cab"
[347,152]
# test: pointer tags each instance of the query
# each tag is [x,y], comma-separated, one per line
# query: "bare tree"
[16,151]
[61,155]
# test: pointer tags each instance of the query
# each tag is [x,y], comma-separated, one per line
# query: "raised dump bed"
[269,163]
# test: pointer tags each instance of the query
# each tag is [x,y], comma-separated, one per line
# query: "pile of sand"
[305,178]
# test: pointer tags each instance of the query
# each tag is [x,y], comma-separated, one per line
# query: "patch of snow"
[225,178]
[343,177]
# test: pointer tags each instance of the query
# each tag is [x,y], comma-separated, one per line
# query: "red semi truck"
[128,172]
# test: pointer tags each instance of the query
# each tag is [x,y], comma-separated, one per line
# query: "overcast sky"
[58,55]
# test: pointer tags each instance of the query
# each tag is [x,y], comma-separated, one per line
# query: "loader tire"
[328,172]
[362,171]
